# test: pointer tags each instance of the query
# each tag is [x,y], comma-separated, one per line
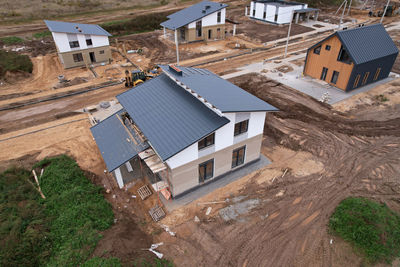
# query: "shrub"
[371,227]
[10,40]
[12,61]
[41,35]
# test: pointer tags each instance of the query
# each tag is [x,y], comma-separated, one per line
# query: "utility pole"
[177,49]
[340,7]
[341,18]
[384,12]
[348,11]
[288,34]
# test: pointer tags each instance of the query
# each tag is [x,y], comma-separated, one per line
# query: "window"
[209,34]
[254,12]
[317,50]
[206,142]
[378,71]
[328,47]
[241,127]
[265,15]
[89,42]
[335,77]
[238,156]
[276,17]
[198,28]
[356,81]
[77,57]
[323,74]
[74,44]
[343,56]
[219,17]
[365,79]
[206,170]
[101,52]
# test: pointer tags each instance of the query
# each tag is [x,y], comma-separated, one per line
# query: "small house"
[351,58]
[80,44]
[187,127]
[202,21]
[280,12]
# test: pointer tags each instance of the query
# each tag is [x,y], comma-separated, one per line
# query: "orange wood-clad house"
[349,59]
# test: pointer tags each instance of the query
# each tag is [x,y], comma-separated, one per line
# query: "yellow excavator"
[136,77]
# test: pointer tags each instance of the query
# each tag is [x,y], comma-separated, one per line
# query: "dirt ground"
[288,226]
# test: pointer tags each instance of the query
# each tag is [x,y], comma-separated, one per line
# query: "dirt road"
[288,226]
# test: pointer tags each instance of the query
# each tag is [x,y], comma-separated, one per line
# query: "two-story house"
[349,59]
[188,125]
[80,44]
[202,21]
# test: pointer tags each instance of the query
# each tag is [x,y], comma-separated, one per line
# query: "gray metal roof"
[169,116]
[367,43]
[224,95]
[72,27]
[192,13]
[112,140]
[306,10]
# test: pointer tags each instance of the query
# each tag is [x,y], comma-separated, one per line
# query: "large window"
[206,142]
[77,57]
[206,170]
[241,127]
[198,28]
[317,50]
[343,56]
[219,17]
[335,77]
[323,74]
[74,44]
[238,156]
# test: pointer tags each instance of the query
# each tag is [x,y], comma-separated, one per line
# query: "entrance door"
[209,34]
[183,37]
[92,57]
[218,33]
[323,74]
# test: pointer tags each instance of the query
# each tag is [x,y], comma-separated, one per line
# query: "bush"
[371,227]
[10,40]
[12,61]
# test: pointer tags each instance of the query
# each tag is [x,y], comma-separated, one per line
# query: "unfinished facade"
[80,44]
[349,59]
[202,21]
[188,125]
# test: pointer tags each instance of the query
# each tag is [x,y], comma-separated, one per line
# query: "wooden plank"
[147,153]
[144,192]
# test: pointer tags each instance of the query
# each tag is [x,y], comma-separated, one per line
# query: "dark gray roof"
[366,43]
[112,139]
[169,116]
[192,13]
[224,95]
[71,27]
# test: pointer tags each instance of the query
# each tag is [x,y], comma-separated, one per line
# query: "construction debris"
[196,219]
[154,246]
[166,228]
[157,213]
[213,202]
[208,211]
[144,192]
[37,182]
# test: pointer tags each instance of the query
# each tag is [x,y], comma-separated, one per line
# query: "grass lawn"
[372,228]
[10,40]
[12,61]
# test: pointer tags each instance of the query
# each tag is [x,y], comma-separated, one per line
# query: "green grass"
[372,228]
[10,40]
[12,61]
[139,24]
[102,262]
[41,35]
[61,230]
[155,263]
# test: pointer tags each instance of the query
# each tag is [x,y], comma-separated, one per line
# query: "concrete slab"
[216,183]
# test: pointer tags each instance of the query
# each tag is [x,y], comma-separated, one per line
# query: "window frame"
[254,12]
[365,78]
[219,16]
[199,31]
[236,160]
[209,140]
[341,53]
[317,50]
[204,166]
[89,40]
[377,73]
[79,57]
[357,80]
[265,15]
[324,73]
[328,47]
[241,130]
[74,44]
[333,79]
[101,52]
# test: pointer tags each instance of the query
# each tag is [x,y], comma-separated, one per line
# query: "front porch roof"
[116,142]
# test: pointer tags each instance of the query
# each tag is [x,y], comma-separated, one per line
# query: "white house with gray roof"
[202,21]
[80,44]
[187,125]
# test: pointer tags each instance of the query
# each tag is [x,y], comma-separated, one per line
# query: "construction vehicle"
[135,77]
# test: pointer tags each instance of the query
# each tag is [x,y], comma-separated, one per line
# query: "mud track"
[289,227]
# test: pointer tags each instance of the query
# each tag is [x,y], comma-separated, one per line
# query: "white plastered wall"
[61,40]
[210,20]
